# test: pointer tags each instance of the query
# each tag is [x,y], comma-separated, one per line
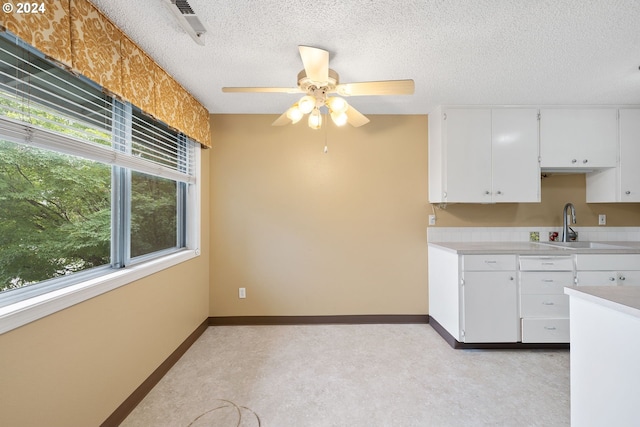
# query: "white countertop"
[530,248]
[625,299]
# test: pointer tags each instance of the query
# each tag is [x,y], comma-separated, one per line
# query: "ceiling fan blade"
[282,120]
[385,87]
[316,63]
[262,89]
[355,118]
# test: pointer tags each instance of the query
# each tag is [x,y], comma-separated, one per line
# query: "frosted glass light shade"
[306,104]
[315,119]
[337,104]
[294,114]
[340,119]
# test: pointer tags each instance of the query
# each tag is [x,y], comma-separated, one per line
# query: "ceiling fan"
[317,81]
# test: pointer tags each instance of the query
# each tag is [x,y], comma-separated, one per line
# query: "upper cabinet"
[578,138]
[483,155]
[621,184]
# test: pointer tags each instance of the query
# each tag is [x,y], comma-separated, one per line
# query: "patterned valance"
[76,34]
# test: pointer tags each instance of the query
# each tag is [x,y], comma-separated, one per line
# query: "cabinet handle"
[511,278]
[548,263]
[499,192]
[574,161]
[547,303]
[627,192]
[491,262]
[622,278]
[585,161]
[487,192]
[550,328]
[547,280]
[612,279]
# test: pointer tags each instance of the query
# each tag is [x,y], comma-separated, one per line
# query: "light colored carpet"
[354,375]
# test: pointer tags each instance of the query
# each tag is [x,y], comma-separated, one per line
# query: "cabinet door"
[597,278]
[629,278]
[514,147]
[490,307]
[578,138]
[467,134]
[629,155]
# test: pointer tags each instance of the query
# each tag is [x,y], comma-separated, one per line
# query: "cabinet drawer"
[546,263]
[545,330]
[541,282]
[488,262]
[544,306]
[608,262]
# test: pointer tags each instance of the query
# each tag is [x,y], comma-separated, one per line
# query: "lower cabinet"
[608,270]
[544,308]
[474,297]
[512,298]
[490,311]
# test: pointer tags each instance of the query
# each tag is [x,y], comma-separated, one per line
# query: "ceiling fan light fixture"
[306,104]
[315,119]
[294,114]
[337,104]
[340,119]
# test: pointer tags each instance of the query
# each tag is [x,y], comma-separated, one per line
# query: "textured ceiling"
[457,51]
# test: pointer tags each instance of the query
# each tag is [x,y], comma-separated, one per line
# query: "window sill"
[15,315]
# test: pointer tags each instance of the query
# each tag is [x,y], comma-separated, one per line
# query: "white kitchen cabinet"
[474,297]
[578,138]
[608,269]
[490,312]
[629,155]
[544,308]
[608,278]
[483,155]
[621,184]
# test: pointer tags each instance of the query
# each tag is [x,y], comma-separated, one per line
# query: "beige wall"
[557,190]
[75,367]
[308,233]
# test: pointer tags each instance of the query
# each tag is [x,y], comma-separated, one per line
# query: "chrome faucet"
[567,233]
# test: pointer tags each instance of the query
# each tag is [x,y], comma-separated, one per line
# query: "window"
[88,184]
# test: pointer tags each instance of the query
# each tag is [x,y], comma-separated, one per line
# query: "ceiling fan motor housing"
[307,85]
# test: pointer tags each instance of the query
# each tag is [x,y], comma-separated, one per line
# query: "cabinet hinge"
[444,116]
[538,116]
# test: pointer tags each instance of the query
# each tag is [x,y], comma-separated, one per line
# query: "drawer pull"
[547,280]
[548,263]
[491,262]
[547,303]
[550,328]
[612,279]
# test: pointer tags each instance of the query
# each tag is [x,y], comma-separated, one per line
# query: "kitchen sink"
[582,245]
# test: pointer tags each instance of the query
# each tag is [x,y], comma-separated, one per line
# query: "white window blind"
[46,106]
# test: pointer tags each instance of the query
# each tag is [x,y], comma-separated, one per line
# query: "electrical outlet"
[242,292]
[602,219]
[432,220]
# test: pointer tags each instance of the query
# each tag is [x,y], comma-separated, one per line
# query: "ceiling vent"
[187,19]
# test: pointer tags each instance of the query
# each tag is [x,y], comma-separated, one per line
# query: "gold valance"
[76,34]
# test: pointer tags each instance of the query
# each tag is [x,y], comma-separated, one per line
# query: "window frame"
[20,313]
